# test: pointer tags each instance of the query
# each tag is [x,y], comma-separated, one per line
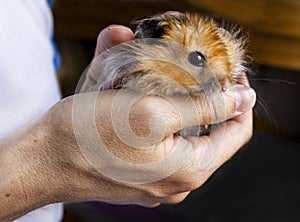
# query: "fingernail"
[245,98]
[120,27]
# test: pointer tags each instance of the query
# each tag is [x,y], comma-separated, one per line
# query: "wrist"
[77,178]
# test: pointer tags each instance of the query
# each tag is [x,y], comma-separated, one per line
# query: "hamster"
[184,54]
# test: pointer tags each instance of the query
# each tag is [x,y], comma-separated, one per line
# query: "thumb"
[210,109]
[107,38]
[111,36]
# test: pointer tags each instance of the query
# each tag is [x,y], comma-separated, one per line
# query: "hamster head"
[184,54]
[201,55]
[176,54]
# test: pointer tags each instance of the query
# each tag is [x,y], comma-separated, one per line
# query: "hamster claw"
[194,131]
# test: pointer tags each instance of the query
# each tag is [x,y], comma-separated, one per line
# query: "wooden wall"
[84,18]
[274,27]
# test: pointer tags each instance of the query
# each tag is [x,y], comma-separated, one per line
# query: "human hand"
[128,137]
[107,38]
[156,167]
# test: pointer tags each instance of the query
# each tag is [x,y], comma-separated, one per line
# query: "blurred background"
[261,182]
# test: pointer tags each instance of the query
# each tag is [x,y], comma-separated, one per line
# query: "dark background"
[261,182]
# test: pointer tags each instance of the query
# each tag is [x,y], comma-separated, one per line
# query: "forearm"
[42,164]
[26,177]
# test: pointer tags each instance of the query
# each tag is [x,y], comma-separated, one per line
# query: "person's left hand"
[108,37]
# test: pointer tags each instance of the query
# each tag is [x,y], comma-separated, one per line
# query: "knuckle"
[189,184]
[176,198]
[248,134]
[193,185]
[158,193]
[150,204]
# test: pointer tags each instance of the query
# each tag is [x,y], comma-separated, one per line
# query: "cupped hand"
[123,145]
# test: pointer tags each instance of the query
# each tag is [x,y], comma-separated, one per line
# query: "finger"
[145,203]
[111,36]
[242,79]
[107,38]
[174,199]
[172,13]
[225,140]
[204,110]
[171,114]
[149,205]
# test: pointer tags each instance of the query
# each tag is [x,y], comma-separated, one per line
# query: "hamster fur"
[184,54]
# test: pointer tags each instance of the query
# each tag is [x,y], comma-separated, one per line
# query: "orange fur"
[148,64]
[174,72]
[190,55]
[203,34]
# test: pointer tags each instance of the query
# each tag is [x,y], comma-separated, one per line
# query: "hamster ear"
[149,28]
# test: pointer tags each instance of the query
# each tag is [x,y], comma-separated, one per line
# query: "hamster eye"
[196,58]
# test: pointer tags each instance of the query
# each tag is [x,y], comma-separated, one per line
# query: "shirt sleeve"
[28,83]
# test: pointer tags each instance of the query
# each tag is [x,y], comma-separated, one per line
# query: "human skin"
[42,163]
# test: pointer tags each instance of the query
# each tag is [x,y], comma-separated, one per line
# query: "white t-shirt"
[28,85]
